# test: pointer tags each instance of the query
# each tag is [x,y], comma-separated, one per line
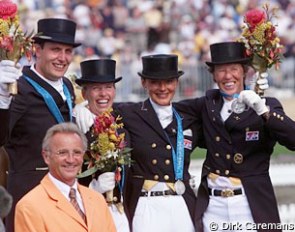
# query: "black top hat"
[160,67]
[98,71]
[56,30]
[227,53]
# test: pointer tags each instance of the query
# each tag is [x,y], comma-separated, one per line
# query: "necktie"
[74,202]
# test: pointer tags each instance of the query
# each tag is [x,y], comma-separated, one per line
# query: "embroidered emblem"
[187,144]
[252,135]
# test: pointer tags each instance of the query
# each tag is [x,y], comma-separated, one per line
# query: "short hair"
[65,127]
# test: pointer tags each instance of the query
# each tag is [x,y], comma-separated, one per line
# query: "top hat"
[227,53]
[56,30]
[160,67]
[98,71]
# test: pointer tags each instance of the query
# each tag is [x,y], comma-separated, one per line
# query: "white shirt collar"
[57,85]
[164,113]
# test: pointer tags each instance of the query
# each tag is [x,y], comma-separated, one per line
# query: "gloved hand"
[105,182]
[9,73]
[84,117]
[262,82]
[254,101]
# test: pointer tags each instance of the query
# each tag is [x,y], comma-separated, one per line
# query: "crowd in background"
[127,29]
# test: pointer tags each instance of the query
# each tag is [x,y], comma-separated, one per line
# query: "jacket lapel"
[148,114]
[60,201]
[88,206]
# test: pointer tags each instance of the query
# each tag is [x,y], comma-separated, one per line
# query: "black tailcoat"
[152,151]
[241,147]
[29,120]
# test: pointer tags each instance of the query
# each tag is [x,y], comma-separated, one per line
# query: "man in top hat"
[98,89]
[45,97]
[236,191]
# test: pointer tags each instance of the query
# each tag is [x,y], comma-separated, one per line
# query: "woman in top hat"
[98,88]
[236,188]
[45,97]
[158,196]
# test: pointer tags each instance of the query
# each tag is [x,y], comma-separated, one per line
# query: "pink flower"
[8,9]
[255,17]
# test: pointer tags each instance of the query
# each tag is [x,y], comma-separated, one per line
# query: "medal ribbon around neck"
[178,156]
[50,101]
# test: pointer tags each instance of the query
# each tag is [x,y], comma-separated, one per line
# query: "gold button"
[213,119]
[168,147]
[166,177]
[156,177]
[227,156]
[282,118]
[238,158]
[217,171]
[167,161]
[217,138]
[115,199]
[226,172]
[154,161]
[278,116]
[217,154]
[274,114]
[154,145]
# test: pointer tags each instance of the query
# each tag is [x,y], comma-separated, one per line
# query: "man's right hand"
[9,73]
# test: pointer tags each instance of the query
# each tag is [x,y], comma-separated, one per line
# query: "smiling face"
[160,91]
[229,78]
[53,59]
[64,168]
[100,96]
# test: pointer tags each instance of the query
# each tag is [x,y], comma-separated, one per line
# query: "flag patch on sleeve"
[252,135]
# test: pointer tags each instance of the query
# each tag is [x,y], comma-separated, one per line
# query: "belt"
[158,193]
[225,192]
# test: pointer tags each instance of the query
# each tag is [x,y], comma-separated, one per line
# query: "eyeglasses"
[67,153]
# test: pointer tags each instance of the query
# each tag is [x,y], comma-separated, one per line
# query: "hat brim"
[82,81]
[42,39]
[239,61]
[161,76]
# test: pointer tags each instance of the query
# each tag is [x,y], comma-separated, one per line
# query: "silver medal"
[179,187]
[238,107]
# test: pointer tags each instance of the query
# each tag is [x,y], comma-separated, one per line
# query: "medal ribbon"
[50,101]
[236,95]
[178,156]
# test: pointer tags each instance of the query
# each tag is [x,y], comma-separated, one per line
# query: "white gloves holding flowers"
[9,73]
[105,182]
[262,82]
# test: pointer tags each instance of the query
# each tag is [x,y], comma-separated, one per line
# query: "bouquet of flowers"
[260,39]
[14,43]
[108,152]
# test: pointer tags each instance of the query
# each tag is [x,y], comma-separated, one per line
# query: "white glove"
[252,99]
[262,82]
[105,182]
[9,73]
[84,117]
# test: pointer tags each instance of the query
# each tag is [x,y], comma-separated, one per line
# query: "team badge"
[252,135]
[187,144]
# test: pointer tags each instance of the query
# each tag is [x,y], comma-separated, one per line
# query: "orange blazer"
[44,208]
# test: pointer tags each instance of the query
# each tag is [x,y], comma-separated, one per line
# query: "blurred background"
[125,30]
